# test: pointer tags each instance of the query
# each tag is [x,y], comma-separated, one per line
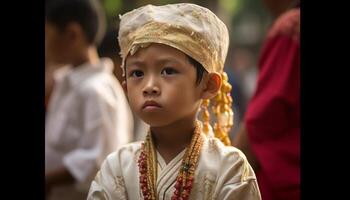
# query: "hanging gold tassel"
[222,108]
[206,116]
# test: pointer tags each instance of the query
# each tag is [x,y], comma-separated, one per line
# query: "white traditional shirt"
[222,173]
[88,118]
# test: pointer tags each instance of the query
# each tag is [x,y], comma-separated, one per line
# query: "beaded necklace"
[184,181]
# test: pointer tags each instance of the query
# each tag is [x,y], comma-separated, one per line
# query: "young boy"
[88,115]
[173,57]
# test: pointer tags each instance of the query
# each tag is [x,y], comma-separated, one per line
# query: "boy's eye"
[169,71]
[136,73]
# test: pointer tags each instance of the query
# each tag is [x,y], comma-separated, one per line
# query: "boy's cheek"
[134,101]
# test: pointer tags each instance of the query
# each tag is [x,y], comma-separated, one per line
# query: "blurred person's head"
[109,47]
[72,27]
[277,7]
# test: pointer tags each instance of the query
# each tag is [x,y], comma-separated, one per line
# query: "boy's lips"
[151,106]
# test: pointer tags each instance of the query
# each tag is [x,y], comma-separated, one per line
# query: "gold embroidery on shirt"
[213,146]
[206,186]
[120,187]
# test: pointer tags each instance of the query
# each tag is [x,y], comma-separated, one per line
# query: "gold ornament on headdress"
[222,108]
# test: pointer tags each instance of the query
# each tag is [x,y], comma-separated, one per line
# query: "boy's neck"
[170,140]
[88,56]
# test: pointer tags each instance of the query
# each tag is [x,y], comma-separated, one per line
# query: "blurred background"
[247,22]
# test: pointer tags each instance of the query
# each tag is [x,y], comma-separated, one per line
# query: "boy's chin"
[156,122]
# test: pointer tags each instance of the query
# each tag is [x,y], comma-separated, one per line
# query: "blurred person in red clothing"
[270,133]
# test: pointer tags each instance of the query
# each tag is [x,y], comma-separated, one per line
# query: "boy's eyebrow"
[135,62]
[159,61]
[167,60]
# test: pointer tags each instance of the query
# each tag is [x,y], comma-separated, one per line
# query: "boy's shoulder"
[214,147]
[124,157]
[218,160]
[127,151]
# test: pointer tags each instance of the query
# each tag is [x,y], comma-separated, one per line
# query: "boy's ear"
[212,85]
[124,86]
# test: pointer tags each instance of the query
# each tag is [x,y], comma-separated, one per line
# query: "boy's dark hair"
[87,13]
[199,68]
[109,46]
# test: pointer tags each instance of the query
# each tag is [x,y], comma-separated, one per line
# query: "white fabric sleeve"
[97,137]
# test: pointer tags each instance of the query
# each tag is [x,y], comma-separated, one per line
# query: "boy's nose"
[151,88]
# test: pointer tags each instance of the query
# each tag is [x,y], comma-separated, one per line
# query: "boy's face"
[161,86]
[55,44]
